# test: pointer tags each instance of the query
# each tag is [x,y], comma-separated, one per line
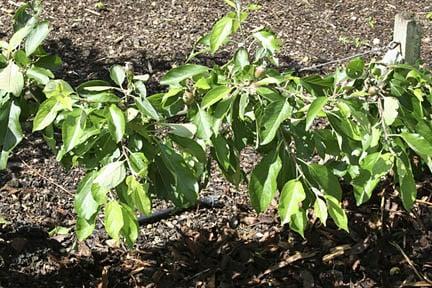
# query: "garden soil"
[220,247]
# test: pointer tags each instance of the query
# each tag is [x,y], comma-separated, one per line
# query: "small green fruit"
[188,98]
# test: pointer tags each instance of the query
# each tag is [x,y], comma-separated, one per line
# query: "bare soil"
[227,247]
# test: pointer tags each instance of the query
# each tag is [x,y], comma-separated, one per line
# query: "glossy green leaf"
[139,193]
[407,185]
[116,122]
[130,227]
[263,181]
[336,212]
[40,75]
[292,196]
[215,95]
[85,205]
[12,134]
[139,163]
[320,210]
[36,37]
[418,143]
[241,58]
[85,227]
[220,33]
[46,114]
[325,178]
[268,41]
[355,68]
[113,219]
[315,108]
[118,74]
[190,146]
[274,115]
[178,74]
[111,175]
[58,88]
[299,222]
[72,130]
[204,123]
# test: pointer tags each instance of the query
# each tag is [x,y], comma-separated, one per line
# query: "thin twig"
[424,202]
[314,67]
[410,263]
[46,178]
[92,12]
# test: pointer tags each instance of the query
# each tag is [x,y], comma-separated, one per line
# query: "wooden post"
[407,33]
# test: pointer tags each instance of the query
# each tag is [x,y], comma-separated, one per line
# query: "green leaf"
[99,193]
[113,219]
[203,122]
[178,74]
[214,95]
[46,114]
[111,175]
[72,130]
[139,163]
[186,130]
[268,41]
[84,227]
[117,74]
[50,62]
[18,37]
[328,182]
[315,108]
[274,115]
[292,196]
[372,168]
[355,68]
[36,37]
[11,79]
[336,212]
[263,181]
[58,88]
[139,194]
[146,108]
[12,134]
[40,75]
[130,227]
[220,32]
[85,205]
[241,58]
[299,222]
[418,143]
[320,210]
[390,113]
[228,159]
[407,184]
[185,182]
[116,122]
[190,146]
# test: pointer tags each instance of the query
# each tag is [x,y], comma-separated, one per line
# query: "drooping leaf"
[203,122]
[390,113]
[113,219]
[190,146]
[263,181]
[292,196]
[228,158]
[268,41]
[118,74]
[320,210]
[274,115]
[130,227]
[36,37]
[116,122]
[316,107]
[12,134]
[111,175]
[11,79]
[325,178]
[299,222]
[139,163]
[407,183]
[72,130]
[336,212]
[139,193]
[58,89]
[418,143]
[85,205]
[85,227]
[355,68]
[46,114]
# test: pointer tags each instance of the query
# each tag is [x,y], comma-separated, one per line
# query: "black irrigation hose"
[205,202]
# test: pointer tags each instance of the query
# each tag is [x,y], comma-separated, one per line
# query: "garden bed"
[227,247]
